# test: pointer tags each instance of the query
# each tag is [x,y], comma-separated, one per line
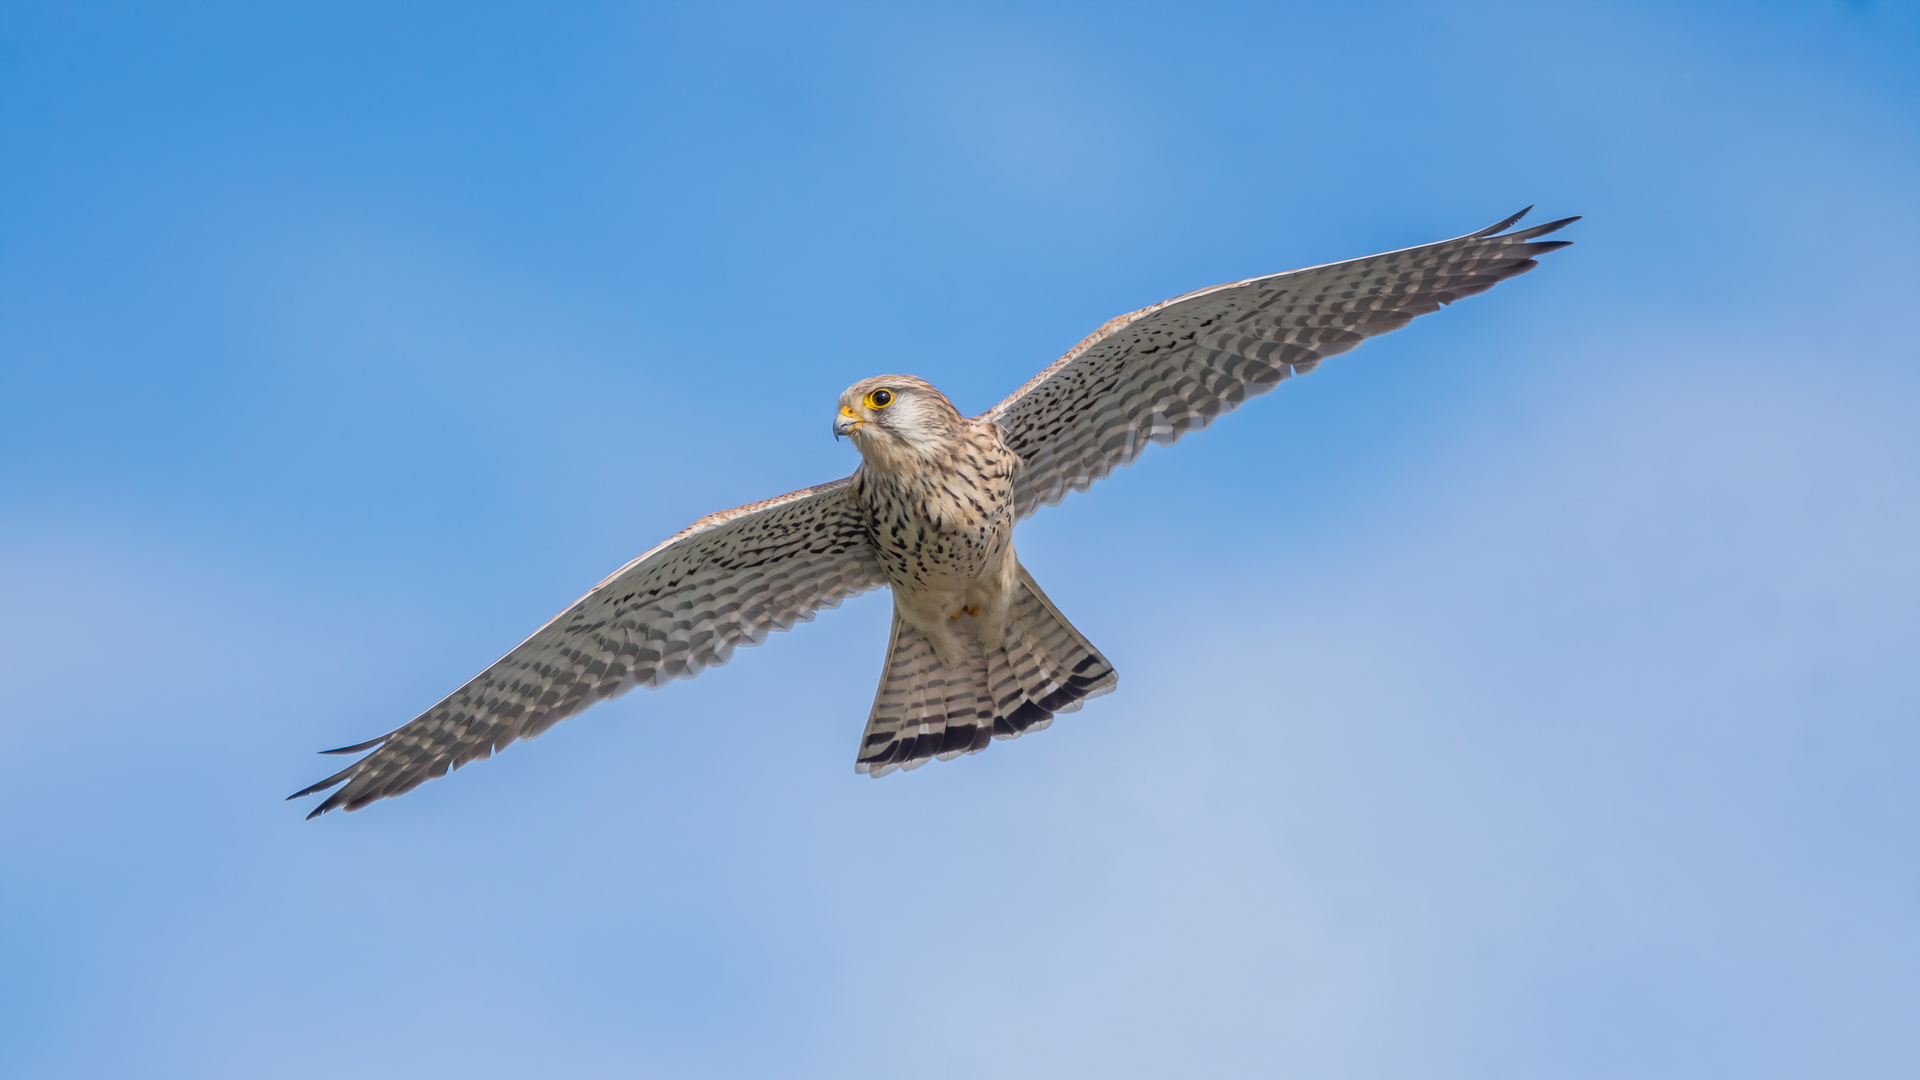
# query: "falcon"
[977,651]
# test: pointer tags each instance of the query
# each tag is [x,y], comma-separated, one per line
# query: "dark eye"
[879,399]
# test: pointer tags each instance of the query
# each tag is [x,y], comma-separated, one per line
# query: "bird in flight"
[977,651]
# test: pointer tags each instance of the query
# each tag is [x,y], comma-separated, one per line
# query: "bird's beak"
[845,422]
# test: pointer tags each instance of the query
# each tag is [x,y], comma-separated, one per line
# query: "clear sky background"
[1532,692]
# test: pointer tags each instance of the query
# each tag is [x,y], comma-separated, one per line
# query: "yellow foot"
[973,610]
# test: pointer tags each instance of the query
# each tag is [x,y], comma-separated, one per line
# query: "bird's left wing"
[1155,374]
[725,581]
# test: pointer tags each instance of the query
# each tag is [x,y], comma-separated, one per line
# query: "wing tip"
[1524,234]
[339,801]
[331,781]
[315,789]
[357,747]
[1501,226]
[1542,230]
[337,778]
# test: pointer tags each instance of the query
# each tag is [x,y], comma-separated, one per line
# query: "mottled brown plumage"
[977,650]
[936,490]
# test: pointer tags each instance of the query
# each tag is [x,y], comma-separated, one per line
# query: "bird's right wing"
[1155,374]
[725,581]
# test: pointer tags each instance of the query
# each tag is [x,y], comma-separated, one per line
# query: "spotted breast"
[941,527]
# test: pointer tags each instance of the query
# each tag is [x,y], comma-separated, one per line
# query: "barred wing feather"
[726,581]
[1155,374]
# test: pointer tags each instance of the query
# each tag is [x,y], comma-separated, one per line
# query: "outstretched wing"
[725,581]
[1160,372]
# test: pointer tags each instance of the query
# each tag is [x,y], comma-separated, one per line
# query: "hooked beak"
[845,422]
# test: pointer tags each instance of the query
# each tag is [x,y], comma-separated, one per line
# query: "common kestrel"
[977,652]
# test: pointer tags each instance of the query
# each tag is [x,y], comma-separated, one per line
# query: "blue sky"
[1529,693]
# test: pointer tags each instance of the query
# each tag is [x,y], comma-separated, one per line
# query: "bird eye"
[879,399]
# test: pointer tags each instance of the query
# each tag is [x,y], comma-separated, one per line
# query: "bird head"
[892,417]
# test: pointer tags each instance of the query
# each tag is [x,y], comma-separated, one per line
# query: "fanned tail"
[925,710]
